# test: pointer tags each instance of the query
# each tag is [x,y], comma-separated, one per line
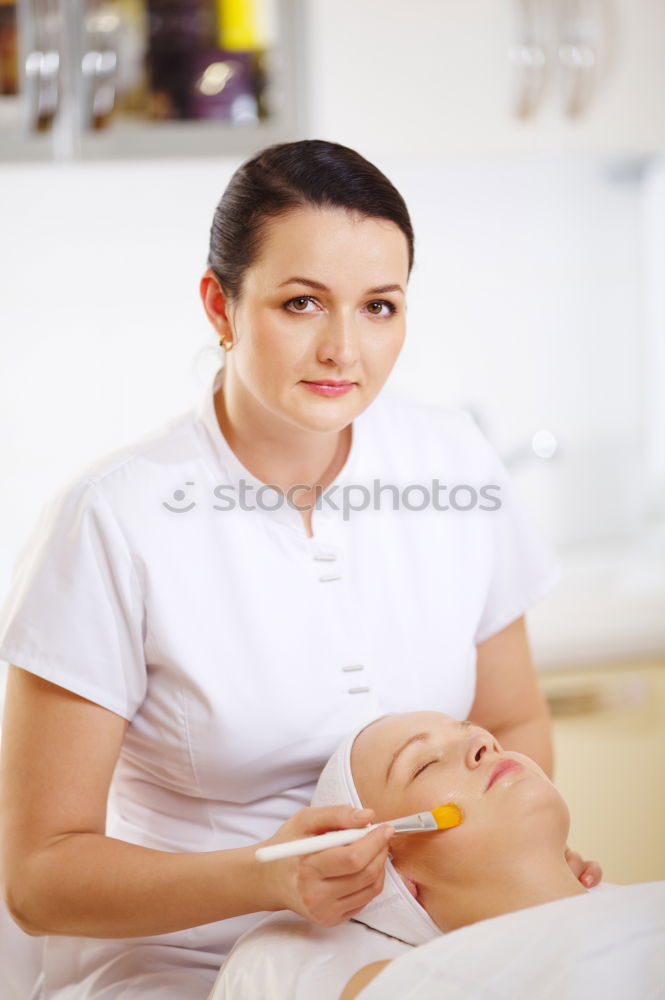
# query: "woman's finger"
[591,875]
[329,900]
[349,905]
[575,862]
[342,886]
[320,894]
[352,859]
[311,821]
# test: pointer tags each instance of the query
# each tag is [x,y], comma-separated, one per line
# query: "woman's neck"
[505,890]
[280,455]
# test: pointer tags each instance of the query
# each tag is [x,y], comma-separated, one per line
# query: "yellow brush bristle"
[448,816]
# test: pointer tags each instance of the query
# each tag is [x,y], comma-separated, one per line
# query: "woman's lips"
[502,768]
[329,388]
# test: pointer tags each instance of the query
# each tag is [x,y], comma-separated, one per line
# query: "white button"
[331,576]
[331,557]
[358,690]
[354,666]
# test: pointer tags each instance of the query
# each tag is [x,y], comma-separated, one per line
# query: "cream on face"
[407,763]
[509,853]
[416,758]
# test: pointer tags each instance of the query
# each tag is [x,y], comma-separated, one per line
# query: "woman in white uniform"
[200,617]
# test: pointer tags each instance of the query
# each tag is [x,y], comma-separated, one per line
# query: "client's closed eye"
[421,768]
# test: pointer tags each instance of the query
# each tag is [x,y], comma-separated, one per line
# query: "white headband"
[394,911]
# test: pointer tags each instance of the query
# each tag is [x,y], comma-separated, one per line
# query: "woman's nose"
[339,343]
[479,745]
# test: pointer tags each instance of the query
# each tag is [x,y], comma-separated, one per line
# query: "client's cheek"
[383,811]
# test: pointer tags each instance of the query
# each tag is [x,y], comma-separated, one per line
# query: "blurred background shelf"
[95,79]
[485,78]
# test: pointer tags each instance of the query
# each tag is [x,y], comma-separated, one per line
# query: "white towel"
[394,911]
[606,944]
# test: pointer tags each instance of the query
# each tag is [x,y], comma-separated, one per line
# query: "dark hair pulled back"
[290,175]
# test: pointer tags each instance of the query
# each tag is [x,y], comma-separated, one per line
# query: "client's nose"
[479,744]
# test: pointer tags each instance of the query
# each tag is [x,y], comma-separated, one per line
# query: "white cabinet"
[389,77]
[433,77]
[609,738]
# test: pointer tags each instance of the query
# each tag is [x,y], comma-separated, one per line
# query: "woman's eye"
[380,307]
[422,767]
[299,303]
[376,307]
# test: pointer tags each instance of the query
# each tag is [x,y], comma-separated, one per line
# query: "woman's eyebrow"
[418,738]
[379,290]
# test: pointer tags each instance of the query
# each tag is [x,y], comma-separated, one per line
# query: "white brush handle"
[308,845]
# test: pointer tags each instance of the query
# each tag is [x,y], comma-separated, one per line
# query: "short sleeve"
[523,565]
[75,611]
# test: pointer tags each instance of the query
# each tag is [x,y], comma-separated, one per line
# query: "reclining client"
[508,855]
[488,908]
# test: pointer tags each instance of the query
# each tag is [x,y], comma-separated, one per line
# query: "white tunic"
[242,650]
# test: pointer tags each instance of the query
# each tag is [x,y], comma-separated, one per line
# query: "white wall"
[101,324]
[527,304]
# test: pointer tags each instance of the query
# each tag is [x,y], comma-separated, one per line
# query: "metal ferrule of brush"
[411,824]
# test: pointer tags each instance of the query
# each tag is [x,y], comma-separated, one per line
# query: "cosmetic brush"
[442,818]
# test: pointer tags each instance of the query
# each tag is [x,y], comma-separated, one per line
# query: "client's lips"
[505,765]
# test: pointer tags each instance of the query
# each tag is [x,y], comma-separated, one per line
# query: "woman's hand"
[332,885]
[588,872]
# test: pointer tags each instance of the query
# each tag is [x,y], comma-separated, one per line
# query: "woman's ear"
[216,304]
[411,885]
